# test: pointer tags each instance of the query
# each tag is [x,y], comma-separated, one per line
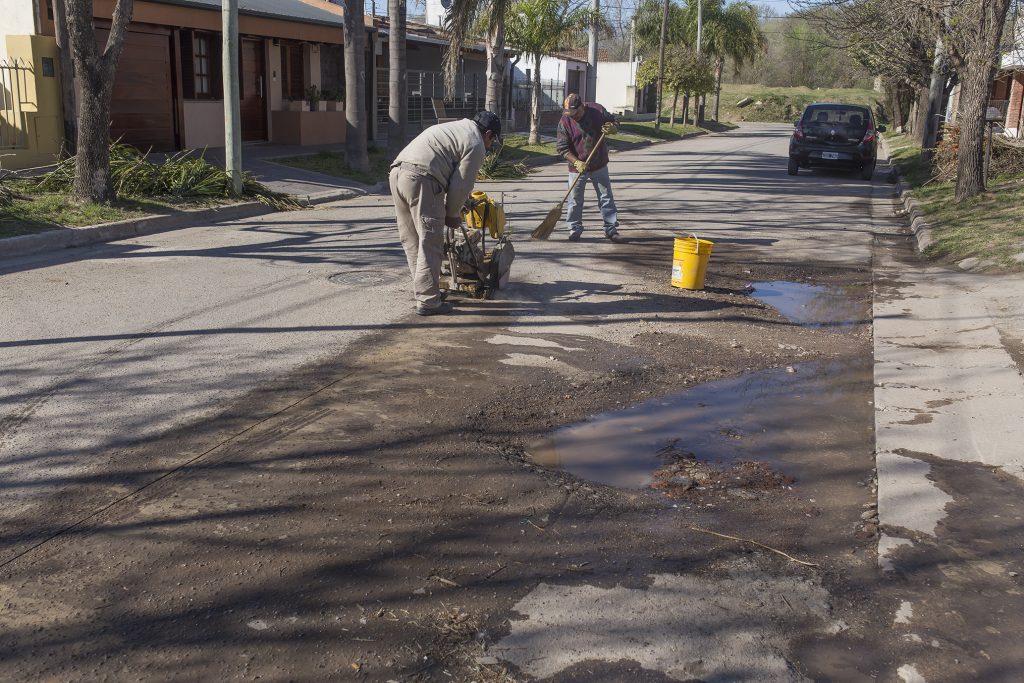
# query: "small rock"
[1013,573]
[682,482]
[790,369]
[868,514]
[869,506]
[870,529]
[742,493]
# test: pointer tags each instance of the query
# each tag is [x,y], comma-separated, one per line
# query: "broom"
[547,226]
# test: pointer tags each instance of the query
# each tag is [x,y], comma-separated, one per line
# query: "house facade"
[1008,87]
[168,91]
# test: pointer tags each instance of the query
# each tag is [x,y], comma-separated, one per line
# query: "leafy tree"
[733,32]
[685,72]
[466,20]
[94,71]
[540,27]
[354,33]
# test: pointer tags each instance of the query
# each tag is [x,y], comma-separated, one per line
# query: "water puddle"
[815,305]
[761,428]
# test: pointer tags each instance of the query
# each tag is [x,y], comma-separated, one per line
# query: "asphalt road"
[184,415]
[109,346]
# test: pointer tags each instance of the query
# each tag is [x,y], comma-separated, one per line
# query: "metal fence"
[13,89]
[552,93]
[423,88]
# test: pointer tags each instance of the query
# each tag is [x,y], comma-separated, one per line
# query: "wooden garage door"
[142,107]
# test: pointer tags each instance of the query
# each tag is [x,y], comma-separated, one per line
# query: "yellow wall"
[42,120]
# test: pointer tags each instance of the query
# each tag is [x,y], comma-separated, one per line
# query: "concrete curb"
[66,238]
[920,229]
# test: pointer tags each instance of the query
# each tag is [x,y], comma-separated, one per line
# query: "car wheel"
[793,167]
[867,171]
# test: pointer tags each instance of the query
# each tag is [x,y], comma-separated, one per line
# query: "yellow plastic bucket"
[690,261]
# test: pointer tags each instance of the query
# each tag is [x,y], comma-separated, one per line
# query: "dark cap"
[488,120]
[572,103]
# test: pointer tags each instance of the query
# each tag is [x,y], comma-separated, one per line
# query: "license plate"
[830,155]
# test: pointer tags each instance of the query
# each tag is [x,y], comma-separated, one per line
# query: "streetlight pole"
[232,107]
[661,65]
[591,94]
[700,34]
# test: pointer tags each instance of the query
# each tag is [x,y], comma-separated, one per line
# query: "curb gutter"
[920,229]
[66,238]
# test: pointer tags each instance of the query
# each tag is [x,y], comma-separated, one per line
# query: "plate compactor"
[478,254]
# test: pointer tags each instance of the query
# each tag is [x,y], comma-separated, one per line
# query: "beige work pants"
[420,206]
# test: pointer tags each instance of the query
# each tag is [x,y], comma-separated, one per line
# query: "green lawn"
[333,163]
[989,226]
[783,105]
[49,211]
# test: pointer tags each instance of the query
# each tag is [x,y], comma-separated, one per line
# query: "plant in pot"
[315,97]
[297,105]
[333,99]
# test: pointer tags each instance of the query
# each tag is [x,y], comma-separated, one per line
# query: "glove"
[581,166]
[610,128]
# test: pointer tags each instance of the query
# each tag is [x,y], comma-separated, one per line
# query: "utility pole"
[700,35]
[591,94]
[661,65]
[232,107]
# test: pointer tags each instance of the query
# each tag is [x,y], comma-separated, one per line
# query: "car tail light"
[869,136]
[798,134]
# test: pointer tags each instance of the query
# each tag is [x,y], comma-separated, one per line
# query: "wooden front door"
[253,91]
[142,104]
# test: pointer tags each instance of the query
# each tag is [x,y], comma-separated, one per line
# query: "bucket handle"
[690,234]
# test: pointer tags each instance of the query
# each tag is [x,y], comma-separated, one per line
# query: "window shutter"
[188,71]
[216,68]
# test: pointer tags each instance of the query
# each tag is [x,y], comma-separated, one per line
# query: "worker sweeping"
[430,181]
[580,142]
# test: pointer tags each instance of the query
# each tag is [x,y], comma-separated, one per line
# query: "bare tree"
[398,95]
[95,73]
[354,33]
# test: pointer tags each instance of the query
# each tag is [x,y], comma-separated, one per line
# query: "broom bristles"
[544,230]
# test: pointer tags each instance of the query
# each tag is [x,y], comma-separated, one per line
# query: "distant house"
[1008,86]
[617,90]
[168,86]
[560,74]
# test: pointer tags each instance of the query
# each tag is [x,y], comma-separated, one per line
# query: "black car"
[840,135]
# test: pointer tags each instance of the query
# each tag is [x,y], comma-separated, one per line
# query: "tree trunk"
[495,64]
[686,107]
[354,34]
[719,65]
[535,103]
[675,101]
[935,90]
[912,118]
[95,74]
[979,64]
[921,116]
[67,78]
[398,95]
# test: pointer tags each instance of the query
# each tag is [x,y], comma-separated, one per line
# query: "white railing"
[13,88]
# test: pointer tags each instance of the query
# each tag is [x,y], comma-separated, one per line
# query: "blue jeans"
[603,186]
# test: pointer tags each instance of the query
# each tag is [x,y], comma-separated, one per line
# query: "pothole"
[815,305]
[760,430]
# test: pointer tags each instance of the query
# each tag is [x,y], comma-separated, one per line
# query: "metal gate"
[13,90]
[423,88]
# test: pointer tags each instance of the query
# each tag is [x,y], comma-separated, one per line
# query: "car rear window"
[832,114]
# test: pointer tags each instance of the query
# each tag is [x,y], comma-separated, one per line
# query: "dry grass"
[989,227]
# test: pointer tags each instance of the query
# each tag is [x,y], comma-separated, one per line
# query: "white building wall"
[18,20]
[613,81]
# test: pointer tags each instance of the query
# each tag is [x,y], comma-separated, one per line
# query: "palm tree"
[466,20]
[398,94]
[732,32]
[540,27]
[356,157]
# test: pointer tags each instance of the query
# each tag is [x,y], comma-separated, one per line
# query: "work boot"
[574,235]
[614,236]
[441,309]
